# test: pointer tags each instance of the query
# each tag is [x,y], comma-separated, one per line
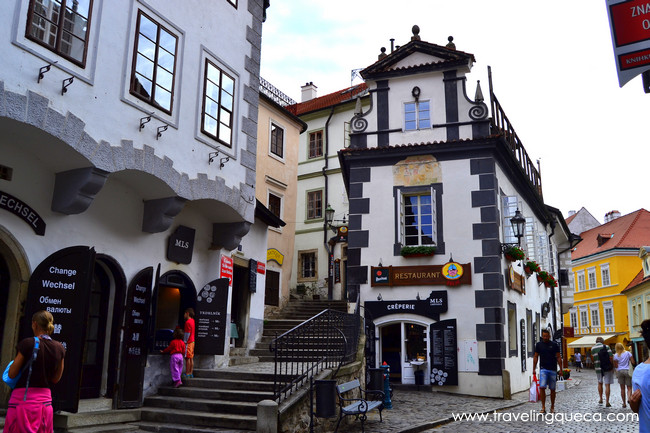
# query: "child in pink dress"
[177,349]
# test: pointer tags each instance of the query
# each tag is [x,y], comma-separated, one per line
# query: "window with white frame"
[573,317]
[62,26]
[277,140]
[595,315]
[417,217]
[584,316]
[417,115]
[581,281]
[635,313]
[218,104]
[307,269]
[154,63]
[608,309]
[591,273]
[509,205]
[604,275]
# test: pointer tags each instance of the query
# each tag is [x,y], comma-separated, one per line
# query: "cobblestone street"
[415,411]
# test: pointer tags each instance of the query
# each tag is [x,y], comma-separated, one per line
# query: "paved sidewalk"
[426,411]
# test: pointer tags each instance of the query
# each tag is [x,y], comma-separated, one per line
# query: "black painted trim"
[383,116]
[451,104]
[438,187]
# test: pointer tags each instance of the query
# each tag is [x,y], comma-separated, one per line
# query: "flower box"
[418,251]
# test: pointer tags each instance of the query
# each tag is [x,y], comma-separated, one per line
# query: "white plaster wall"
[254,247]
[99,94]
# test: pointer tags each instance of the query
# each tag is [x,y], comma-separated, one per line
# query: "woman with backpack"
[622,361]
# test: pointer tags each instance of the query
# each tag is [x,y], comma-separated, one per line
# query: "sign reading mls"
[630,26]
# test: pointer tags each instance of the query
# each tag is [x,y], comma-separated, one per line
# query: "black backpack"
[605,363]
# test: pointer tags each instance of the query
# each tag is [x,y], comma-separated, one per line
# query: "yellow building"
[638,301]
[603,265]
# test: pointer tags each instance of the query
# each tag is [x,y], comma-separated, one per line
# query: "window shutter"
[399,216]
[434,217]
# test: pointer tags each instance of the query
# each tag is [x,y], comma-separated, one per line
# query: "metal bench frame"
[358,406]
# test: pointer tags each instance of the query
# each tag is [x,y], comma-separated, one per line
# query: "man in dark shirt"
[548,352]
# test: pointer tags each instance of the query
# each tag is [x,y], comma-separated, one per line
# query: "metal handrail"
[327,340]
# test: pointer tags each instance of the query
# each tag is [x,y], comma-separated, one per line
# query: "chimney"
[571,213]
[308,91]
[612,215]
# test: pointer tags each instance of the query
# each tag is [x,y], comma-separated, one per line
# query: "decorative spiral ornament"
[478,112]
[359,124]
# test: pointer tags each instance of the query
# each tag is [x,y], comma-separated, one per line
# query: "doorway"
[240,303]
[391,349]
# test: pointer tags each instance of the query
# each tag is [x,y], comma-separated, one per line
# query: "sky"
[553,72]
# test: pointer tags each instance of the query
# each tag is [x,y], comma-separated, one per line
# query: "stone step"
[179,428]
[242,360]
[216,394]
[202,405]
[226,384]
[108,428]
[199,419]
[226,373]
[67,421]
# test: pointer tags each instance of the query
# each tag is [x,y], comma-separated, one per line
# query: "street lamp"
[518,224]
[329,218]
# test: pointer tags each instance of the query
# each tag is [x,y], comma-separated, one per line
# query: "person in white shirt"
[578,358]
[622,360]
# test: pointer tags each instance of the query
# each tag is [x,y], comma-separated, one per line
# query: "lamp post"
[518,223]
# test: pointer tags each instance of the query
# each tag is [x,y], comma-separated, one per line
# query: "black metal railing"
[275,94]
[327,340]
[502,125]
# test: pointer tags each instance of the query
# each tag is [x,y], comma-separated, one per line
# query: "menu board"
[134,344]
[211,306]
[522,333]
[61,285]
[444,353]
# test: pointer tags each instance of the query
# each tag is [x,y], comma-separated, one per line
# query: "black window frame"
[414,190]
[271,205]
[220,107]
[151,100]
[276,145]
[60,31]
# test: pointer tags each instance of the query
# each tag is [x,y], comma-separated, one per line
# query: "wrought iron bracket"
[43,70]
[66,83]
[223,161]
[144,120]
[212,156]
[160,130]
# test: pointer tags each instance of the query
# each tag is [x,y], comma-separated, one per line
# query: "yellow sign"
[273,254]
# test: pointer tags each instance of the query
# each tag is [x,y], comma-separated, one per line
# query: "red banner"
[226,268]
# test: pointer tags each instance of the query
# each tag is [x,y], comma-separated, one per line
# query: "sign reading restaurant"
[450,274]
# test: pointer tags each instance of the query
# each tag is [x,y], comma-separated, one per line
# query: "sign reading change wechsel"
[210,317]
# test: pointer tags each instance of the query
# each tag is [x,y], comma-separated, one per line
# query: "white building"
[427,166]
[127,153]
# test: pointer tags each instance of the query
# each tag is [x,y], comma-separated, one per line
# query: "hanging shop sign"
[22,211]
[515,280]
[181,245]
[134,350]
[337,271]
[226,268]
[61,285]
[431,307]
[629,22]
[261,268]
[275,255]
[444,353]
[449,274]
[252,275]
[211,304]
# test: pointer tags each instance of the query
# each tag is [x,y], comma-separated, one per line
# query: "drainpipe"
[330,282]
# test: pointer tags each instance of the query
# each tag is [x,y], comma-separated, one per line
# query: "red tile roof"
[636,281]
[571,218]
[327,101]
[629,231]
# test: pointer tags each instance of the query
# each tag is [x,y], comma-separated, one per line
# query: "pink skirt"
[35,415]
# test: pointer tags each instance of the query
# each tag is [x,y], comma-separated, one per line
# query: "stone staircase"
[295,313]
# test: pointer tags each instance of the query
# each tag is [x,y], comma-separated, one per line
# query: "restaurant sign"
[450,274]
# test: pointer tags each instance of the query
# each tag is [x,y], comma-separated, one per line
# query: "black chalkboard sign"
[61,285]
[522,333]
[444,353]
[252,275]
[210,317]
[134,343]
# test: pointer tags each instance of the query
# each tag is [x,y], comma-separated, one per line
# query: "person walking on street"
[604,366]
[578,358]
[640,398]
[622,362]
[30,405]
[548,353]
[189,342]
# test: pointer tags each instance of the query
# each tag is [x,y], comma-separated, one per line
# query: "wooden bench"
[358,407]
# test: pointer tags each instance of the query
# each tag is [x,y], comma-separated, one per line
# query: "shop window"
[307,265]
[316,144]
[62,26]
[416,341]
[512,329]
[154,63]
[417,215]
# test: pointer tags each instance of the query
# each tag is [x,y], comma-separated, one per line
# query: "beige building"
[278,133]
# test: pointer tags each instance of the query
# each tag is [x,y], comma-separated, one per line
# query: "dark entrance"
[240,301]
[174,294]
[93,358]
[272,293]
[4,295]
[391,349]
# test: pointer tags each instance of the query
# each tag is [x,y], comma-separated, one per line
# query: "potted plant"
[513,252]
[542,276]
[550,281]
[566,373]
[531,266]
[417,251]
